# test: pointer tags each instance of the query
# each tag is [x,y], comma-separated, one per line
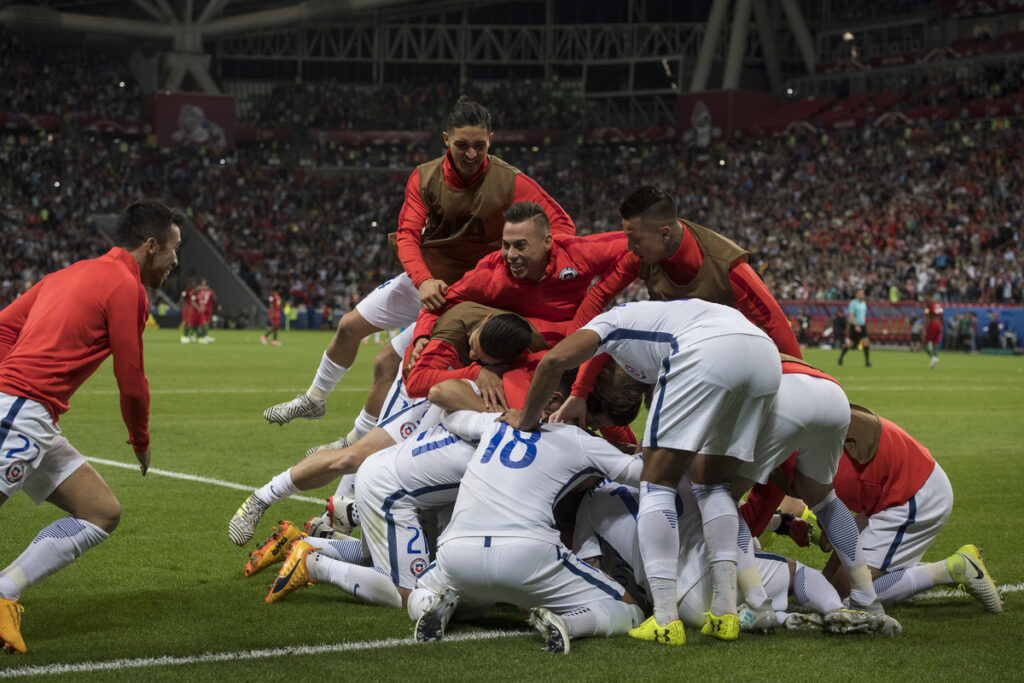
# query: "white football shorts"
[34,457]
[897,537]
[714,396]
[396,303]
[810,415]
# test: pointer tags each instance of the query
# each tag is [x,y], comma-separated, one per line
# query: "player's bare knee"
[352,328]
[104,512]
[385,365]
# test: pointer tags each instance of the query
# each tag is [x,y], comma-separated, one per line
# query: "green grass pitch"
[169,583]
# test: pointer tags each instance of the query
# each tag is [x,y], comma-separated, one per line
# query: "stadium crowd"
[912,209]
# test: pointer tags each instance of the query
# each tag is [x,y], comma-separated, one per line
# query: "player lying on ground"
[397,488]
[902,499]
[606,534]
[502,545]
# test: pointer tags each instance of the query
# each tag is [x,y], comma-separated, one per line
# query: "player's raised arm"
[567,354]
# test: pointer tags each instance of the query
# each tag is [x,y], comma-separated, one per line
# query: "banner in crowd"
[370,137]
[115,126]
[15,121]
[183,119]
[708,116]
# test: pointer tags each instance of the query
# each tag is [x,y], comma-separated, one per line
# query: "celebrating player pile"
[480,482]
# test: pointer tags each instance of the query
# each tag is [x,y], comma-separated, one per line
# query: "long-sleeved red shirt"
[752,298]
[413,215]
[554,303]
[55,336]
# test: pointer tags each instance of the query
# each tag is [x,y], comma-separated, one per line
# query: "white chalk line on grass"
[192,477]
[241,655]
[214,390]
[937,593]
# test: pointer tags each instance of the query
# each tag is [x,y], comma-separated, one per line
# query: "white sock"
[364,423]
[656,526]
[418,601]
[811,589]
[748,578]
[53,548]
[278,488]
[837,522]
[366,583]
[346,486]
[327,377]
[344,550]
[721,536]
[898,585]
[602,618]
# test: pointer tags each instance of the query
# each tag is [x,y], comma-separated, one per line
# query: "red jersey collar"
[684,265]
[119,254]
[451,176]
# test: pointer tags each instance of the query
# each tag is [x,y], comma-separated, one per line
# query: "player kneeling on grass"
[605,534]
[901,498]
[502,545]
[494,340]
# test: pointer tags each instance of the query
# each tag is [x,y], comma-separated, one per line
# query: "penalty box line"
[241,655]
[192,477]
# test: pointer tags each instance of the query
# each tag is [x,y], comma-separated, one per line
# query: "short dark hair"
[618,395]
[651,203]
[521,212]
[505,337]
[144,219]
[467,112]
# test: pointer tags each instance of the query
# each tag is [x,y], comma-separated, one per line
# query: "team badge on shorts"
[418,566]
[568,273]
[15,471]
[638,374]
[406,429]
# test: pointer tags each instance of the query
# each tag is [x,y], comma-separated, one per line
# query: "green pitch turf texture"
[169,583]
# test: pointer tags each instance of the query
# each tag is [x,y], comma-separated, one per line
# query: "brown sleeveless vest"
[863,435]
[455,325]
[463,225]
[712,280]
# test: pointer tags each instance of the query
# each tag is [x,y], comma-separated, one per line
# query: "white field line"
[216,390]
[947,592]
[241,655]
[192,477]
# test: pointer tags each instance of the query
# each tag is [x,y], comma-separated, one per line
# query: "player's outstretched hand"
[432,294]
[573,411]
[492,390]
[514,419]
[143,459]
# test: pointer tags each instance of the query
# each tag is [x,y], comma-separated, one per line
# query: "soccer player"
[933,330]
[716,375]
[902,499]
[810,416]
[501,339]
[451,218]
[188,313]
[51,340]
[679,259]
[273,319]
[205,301]
[502,546]
[605,535]
[538,275]
[858,315]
